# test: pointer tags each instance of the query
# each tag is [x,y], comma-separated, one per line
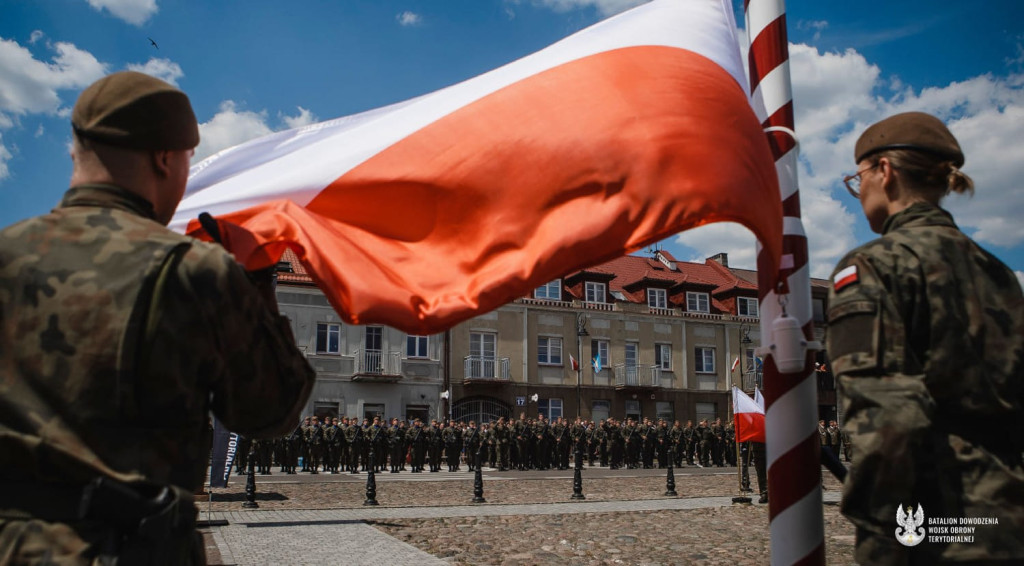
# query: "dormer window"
[745,306]
[657,298]
[697,302]
[551,291]
[595,292]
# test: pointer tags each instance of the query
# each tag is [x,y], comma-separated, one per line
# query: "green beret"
[911,130]
[135,111]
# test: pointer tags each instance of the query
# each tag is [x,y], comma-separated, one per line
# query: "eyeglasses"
[852,182]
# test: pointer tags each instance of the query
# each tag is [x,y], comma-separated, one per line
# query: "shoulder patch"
[845,278]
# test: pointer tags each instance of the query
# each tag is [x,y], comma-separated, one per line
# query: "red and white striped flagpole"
[791,404]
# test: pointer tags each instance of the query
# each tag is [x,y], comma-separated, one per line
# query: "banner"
[225,443]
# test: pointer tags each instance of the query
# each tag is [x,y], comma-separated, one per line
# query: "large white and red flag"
[428,212]
[748,416]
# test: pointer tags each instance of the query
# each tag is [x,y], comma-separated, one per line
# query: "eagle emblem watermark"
[910,532]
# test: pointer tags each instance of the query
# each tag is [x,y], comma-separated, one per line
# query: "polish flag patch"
[845,278]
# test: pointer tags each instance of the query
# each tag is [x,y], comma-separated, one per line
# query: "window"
[657,298]
[745,306]
[599,357]
[665,410]
[630,354]
[413,412]
[706,411]
[600,410]
[663,356]
[324,410]
[551,291]
[704,358]
[549,350]
[697,302]
[328,338]
[633,409]
[416,346]
[595,292]
[374,338]
[748,360]
[819,310]
[550,408]
[482,361]
[374,410]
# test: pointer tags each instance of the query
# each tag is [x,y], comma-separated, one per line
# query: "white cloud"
[229,127]
[29,86]
[603,7]
[304,118]
[36,36]
[40,131]
[5,156]
[163,69]
[836,96]
[408,18]
[135,12]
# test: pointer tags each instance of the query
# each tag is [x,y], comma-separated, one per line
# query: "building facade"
[633,337]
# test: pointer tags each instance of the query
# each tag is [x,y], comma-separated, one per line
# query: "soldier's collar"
[107,196]
[919,212]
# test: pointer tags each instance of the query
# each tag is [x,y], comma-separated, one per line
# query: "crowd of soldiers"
[347,445]
[835,440]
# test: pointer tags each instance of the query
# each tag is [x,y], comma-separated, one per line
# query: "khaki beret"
[136,111]
[911,130]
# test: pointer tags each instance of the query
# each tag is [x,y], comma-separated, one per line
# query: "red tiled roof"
[299,274]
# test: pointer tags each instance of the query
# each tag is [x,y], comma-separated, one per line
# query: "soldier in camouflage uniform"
[926,337]
[118,338]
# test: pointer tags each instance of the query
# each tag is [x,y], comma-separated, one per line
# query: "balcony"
[377,366]
[482,369]
[640,377]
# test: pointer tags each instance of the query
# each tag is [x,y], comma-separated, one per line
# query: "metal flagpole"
[794,470]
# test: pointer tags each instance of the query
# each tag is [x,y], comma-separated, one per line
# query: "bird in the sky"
[153,42]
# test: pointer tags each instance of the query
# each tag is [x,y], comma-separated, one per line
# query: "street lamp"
[745,342]
[581,331]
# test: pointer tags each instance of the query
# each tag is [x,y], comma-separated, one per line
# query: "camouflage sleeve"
[216,325]
[888,414]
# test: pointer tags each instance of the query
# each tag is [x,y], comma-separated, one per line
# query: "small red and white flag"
[735,363]
[749,417]
[575,364]
[845,278]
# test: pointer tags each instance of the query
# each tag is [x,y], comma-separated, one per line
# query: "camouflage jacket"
[118,337]
[926,337]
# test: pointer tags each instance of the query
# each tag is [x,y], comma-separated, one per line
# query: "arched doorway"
[480,409]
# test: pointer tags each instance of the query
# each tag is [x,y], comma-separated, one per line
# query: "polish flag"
[749,417]
[574,363]
[431,211]
[735,364]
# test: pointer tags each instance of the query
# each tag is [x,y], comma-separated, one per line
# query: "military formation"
[350,445]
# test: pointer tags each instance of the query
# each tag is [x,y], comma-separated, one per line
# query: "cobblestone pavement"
[528,519]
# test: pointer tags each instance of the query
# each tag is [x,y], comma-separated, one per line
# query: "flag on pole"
[428,212]
[759,399]
[575,364]
[597,363]
[222,454]
[735,363]
[749,417]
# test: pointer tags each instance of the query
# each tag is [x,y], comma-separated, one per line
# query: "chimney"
[722,258]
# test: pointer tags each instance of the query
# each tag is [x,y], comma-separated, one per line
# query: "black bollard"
[371,481]
[250,482]
[577,475]
[670,481]
[478,480]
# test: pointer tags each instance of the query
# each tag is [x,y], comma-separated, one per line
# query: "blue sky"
[259,66]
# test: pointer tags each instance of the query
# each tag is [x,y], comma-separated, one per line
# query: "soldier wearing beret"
[926,337]
[119,338]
